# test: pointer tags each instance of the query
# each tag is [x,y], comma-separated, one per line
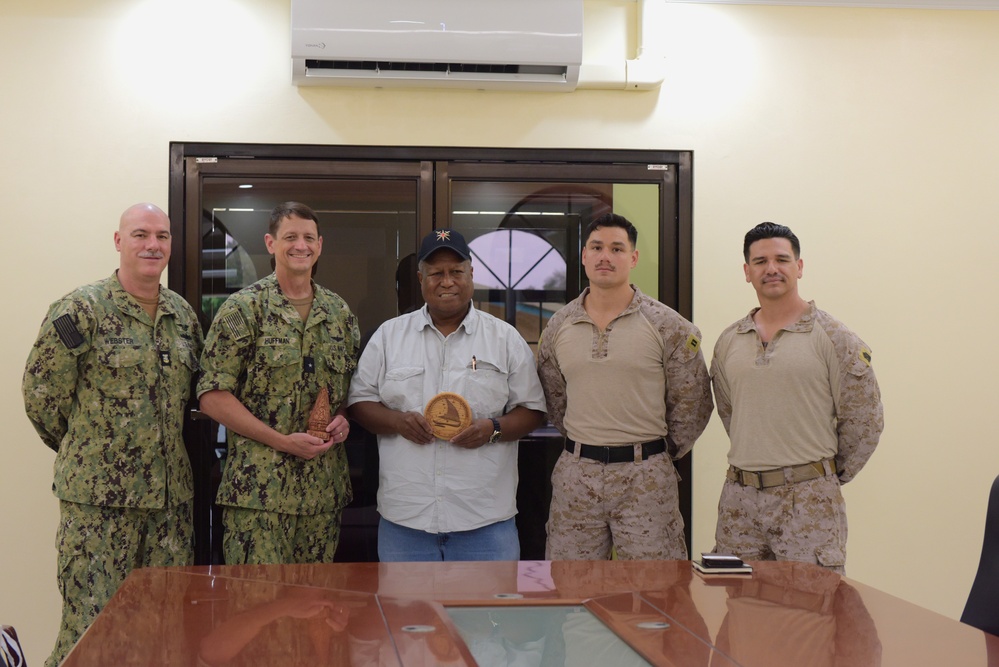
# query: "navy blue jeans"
[497,541]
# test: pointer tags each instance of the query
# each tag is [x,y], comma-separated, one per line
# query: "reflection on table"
[522,614]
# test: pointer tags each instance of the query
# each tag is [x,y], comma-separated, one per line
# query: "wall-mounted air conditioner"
[485,44]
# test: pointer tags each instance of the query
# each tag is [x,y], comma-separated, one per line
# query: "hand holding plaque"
[449,414]
[319,418]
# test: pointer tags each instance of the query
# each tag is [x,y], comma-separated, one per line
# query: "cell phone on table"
[710,560]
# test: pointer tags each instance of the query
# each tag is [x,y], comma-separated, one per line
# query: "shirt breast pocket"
[182,370]
[403,389]
[338,360]
[122,373]
[487,388]
[277,370]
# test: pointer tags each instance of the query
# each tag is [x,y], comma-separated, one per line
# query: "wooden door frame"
[675,224]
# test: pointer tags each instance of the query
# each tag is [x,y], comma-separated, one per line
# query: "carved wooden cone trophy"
[319,418]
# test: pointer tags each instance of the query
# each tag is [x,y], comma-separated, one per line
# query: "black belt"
[618,454]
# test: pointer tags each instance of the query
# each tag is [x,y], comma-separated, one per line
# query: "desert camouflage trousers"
[97,548]
[632,507]
[259,537]
[803,522]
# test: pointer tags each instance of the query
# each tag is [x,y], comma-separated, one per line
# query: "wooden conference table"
[614,613]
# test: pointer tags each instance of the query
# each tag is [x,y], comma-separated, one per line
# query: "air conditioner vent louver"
[507,45]
[390,66]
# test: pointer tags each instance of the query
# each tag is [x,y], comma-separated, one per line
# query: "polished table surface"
[528,613]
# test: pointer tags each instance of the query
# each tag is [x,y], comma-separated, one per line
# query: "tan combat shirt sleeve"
[552,380]
[859,411]
[688,387]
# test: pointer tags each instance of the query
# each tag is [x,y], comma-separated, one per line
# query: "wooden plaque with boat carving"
[449,414]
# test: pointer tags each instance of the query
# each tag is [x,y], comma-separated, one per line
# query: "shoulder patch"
[693,343]
[68,333]
[865,355]
[236,324]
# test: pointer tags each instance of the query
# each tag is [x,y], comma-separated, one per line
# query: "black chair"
[982,608]
[11,654]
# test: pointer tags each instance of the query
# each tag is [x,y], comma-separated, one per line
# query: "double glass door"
[522,216]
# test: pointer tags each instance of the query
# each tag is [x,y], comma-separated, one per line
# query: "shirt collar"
[577,313]
[423,320]
[125,303]
[803,325]
[280,303]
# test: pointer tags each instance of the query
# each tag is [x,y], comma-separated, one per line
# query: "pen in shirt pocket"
[473,362]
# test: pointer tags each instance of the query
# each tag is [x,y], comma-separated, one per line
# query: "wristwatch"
[495,437]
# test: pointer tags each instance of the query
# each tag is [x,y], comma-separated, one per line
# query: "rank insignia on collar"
[443,234]
[693,343]
[865,356]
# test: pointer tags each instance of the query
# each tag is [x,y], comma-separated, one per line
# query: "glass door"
[524,226]
[370,217]
[522,212]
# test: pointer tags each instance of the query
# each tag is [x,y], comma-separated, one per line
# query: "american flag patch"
[68,333]
[236,325]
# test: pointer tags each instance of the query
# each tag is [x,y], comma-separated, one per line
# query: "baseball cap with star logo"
[444,238]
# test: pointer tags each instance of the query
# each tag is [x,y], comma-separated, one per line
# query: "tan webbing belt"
[766,479]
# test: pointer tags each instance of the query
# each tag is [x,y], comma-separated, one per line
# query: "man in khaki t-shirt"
[626,383]
[799,399]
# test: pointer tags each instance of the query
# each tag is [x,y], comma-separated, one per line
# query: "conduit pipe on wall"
[646,71]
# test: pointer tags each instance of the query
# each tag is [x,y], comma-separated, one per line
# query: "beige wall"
[870,132]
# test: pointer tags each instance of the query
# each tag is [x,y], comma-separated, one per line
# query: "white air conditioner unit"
[485,44]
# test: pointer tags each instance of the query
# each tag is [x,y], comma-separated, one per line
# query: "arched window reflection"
[518,260]
[524,238]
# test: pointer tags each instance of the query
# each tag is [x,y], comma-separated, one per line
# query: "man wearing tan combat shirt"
[799,399]
[626,383]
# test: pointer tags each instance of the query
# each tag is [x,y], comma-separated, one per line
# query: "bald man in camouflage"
[105,386]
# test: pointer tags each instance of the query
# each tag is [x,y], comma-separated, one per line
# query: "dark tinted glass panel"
[368,228]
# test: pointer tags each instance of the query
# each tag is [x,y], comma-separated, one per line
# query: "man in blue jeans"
[455,498]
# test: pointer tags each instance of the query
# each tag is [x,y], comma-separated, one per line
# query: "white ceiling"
[893,4]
